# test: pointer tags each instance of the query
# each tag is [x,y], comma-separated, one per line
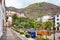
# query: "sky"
[24,3]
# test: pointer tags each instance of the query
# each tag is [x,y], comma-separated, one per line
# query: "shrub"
[21,32]
[27,36]
[47,39]
[43,39]
[15,30]
[40,38]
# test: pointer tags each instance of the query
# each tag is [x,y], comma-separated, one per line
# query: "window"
[57,19]
[57,22]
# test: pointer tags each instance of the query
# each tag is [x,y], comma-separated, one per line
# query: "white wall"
[2,16]
[1,20]
[3,9]
[45,18]
[22,15]
[57,20]
[10,19]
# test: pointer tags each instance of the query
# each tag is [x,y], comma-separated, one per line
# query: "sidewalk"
[10,35]
[4,35]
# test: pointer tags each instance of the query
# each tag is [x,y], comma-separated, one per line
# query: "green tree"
[48,25]
[35,25]
[25,25]
[22,19]
[15,19]
[40,25]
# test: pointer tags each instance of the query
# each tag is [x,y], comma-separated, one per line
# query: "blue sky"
[24,3]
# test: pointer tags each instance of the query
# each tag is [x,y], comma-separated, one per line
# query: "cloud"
[14,3]
[24,3]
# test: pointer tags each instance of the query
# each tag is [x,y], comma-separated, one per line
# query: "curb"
[22,37]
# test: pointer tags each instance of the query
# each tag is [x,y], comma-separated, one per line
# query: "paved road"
[57,36]
[10,35]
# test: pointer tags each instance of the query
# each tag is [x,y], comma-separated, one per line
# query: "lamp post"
[54,27]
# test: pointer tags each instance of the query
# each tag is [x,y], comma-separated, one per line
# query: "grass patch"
[21,32]
[18,31]
[15,30]
[43,39]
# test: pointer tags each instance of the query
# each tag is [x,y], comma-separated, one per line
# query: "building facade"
[46,18]
[2,16]
[57,19]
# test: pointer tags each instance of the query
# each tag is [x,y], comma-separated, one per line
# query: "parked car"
[32,33]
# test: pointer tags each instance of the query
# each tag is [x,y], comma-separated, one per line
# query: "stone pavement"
[10,35]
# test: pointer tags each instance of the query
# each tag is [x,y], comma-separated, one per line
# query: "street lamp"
[54,27]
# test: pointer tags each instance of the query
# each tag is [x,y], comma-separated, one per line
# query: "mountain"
[11,9]
[14,9]
[38,9]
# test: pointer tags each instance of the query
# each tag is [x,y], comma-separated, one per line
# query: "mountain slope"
[37,9]
[44,8]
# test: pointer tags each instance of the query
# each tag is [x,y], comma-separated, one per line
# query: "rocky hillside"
[38,9]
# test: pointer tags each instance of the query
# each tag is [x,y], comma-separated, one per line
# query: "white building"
[57,19]
[10,13]
[46,18]
[9,21]
[2,16]
[21,14]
